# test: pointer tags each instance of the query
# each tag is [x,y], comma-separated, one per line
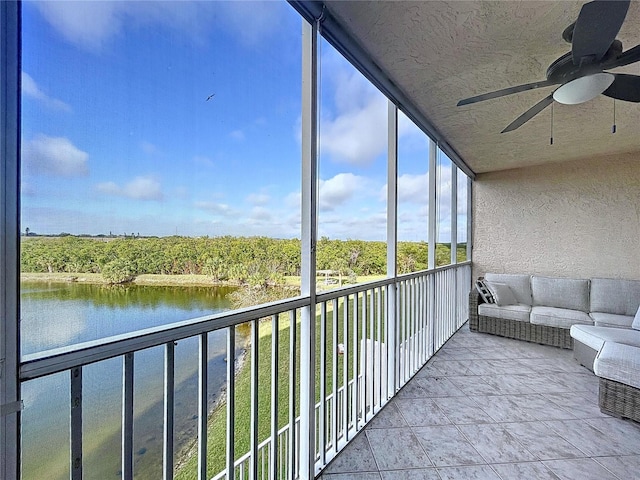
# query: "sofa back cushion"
[567,293]
[620,297]
[520,285]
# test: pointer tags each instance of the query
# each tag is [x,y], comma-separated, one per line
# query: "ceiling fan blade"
[626,58]
[624,87]
[596,28]
[529,114]
[505,91]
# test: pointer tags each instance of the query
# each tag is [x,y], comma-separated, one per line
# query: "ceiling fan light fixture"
[583,89]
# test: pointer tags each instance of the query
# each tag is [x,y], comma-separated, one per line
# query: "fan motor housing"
[563,69]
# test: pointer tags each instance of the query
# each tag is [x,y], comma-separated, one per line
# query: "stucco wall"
[576,219]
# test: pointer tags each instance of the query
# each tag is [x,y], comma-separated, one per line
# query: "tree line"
[253,260]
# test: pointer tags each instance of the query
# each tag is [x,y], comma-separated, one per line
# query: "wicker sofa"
[545,308]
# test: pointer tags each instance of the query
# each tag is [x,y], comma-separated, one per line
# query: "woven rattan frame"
[544,334]
[619,400]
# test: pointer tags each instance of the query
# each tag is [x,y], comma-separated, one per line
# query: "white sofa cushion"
[619,362]
[518,312]
[620,297]
[594,337]
[611,320]
[558,317]
[636,320]
[567,293]
[520,285]
[502,294]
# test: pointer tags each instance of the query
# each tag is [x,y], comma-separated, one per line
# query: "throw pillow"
[484,292]
[502,294]
[636,320]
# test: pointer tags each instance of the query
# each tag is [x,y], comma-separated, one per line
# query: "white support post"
[469,218]
[392,242]
[432,232]
[10,402]
[433,204]
[454,214]
[309,235]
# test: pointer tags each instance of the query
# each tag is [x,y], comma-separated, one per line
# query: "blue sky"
[118,135]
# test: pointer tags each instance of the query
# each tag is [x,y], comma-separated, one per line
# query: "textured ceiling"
[440,52]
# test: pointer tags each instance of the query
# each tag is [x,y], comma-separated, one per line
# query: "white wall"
[575,219]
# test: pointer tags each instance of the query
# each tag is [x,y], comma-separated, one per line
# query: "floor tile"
[528,471]
[477,472]
[579,469]
[502,408]
[388,417]
[542,441]
[496,444]
[507,384]
[356,457]
[351,476]
[580,404]
[446,446]
[397,448]
[626,467]
[618,430]
[462,410]
[590,439]
[415,474]
[421,411]
[473,385]
[540,408]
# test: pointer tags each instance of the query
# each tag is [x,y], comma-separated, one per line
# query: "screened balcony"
[349,393]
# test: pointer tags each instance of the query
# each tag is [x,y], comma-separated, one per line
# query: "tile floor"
[490,408]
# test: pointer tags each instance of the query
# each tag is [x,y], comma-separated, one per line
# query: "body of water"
[58,315]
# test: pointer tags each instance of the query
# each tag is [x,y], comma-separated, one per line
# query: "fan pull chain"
[551,138]
[613,127]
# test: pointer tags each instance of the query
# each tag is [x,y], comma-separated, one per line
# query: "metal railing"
[370,340]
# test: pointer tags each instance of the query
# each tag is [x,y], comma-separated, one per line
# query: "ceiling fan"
[581,72]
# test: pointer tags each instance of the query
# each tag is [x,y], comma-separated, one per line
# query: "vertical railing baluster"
[275,334]
[169,372]
[334,375]
[203,411]
[322,430]
[382,373]
[253,459]
[76,423]
[363,361]
[356,397]
[346,394]
[371,341]
[127,416]
[292,393]
[231,401]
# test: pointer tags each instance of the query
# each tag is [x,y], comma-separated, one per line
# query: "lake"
[61,314]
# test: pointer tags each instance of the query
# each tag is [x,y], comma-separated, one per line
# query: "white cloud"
[56,156]
[203,160]
[237,135]
[31,89]
[86,24]
[258,199]
[413,188]
[215,208]
[91,25]
[140,188]
[356,132]
[149,148]
[339,189]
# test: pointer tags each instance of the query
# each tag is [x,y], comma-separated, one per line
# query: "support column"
[10,402]
[392,243]
[309,236]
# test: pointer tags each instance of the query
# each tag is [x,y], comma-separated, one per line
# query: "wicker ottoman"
[618,367]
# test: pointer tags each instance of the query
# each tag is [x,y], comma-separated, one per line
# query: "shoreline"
[145,279]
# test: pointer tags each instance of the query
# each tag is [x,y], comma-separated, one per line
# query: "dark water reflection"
[57,315]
